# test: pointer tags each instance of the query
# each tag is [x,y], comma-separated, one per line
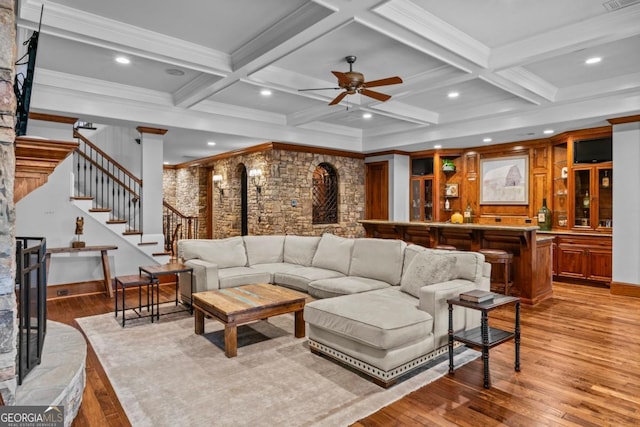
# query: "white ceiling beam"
[569,38]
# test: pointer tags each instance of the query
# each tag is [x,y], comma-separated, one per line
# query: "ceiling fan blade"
[342,78]
[338,98]
[384,82]
[319,88]
[376,95]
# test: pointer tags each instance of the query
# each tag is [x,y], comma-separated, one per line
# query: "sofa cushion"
[273,268]
[333,253]
[379,259]
[238,276]
[329,288]
[300,277]
[409,253]
[469,266]
[426,269]
[264,249]
[300,249]
[224,253]
[357,317]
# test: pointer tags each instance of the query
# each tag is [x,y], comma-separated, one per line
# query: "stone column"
[8,309]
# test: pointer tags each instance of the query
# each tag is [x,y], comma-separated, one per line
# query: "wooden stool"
[136,280]
[445,247]
[500,257]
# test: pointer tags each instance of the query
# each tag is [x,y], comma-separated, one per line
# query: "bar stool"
[500,257]
[445,247]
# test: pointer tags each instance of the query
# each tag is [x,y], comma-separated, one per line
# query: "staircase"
[112,195]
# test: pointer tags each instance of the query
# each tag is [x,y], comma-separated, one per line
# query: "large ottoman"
[377,335]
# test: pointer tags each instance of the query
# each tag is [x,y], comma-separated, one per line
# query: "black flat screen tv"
[592,151]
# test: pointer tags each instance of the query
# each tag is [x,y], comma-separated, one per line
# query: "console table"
[106,270]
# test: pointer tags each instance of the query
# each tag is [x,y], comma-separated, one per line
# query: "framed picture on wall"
[451,190]
[504,180]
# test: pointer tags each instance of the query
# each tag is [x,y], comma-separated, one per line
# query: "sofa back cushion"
[264,249]
[379,259]
[225,253]
[427,268]
[469,265]
[333,253]
[409,253]
[300,249]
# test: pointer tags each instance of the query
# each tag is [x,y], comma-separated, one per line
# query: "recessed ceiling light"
[593,60]
[367,115]
[166,163]
[487,140]
[211,143]
[437,146]
[122,60]
[453,94]
[174,72]
[548,131]
[265,92]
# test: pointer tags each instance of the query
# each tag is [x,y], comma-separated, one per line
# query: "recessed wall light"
[123,60]
[211,143]
[437,146]
[487,140]
[593,60]
[265,92]
[453,94]
[548,131]
[367,115]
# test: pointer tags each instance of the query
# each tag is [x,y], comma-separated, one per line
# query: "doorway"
[244,214]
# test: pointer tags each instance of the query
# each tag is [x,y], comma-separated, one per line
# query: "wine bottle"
[544,216]
[447,206]
[468,214]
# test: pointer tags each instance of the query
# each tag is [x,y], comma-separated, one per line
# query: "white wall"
[626,203]
[50,130]
[48,212]
[120,144]
[399,170]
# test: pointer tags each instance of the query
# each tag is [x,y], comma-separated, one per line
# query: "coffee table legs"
[299,325]
[230,340]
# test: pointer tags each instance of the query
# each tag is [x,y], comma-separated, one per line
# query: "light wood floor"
[580,360]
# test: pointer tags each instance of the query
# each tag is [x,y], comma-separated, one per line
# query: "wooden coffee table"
[243,304]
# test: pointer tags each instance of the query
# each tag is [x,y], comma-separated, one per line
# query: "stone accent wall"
[8,309]
[286,177]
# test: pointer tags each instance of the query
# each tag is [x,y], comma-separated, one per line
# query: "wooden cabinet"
[592,199]
[583,257]
[422,199]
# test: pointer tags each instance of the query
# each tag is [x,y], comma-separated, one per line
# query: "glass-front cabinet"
[592,197]
[422,199]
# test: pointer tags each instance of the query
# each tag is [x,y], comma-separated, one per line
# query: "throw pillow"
[426,269]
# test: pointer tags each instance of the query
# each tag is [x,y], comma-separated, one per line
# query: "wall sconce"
[217,183]
[256,178]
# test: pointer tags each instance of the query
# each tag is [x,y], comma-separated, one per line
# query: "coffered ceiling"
[198,68]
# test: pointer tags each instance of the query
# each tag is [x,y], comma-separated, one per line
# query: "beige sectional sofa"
[380,304]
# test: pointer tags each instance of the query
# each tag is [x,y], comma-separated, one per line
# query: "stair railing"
[177,226]
[110,184]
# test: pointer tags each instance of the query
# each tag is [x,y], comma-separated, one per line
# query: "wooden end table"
[175,268]
[485,336]
[243,304]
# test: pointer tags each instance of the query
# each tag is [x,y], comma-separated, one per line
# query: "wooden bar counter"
[532,260]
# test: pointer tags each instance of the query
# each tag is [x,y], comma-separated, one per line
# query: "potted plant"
[448,165]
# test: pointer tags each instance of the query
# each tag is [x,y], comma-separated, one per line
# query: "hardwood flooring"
[580,363]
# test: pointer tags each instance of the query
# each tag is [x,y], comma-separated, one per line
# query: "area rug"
[165,375]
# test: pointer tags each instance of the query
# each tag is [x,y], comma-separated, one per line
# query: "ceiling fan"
[353,82]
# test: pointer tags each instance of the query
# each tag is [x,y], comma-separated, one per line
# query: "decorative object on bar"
[456,218]
[448,165]
[544,216]
[79,231]
[447,205]
[468,214]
